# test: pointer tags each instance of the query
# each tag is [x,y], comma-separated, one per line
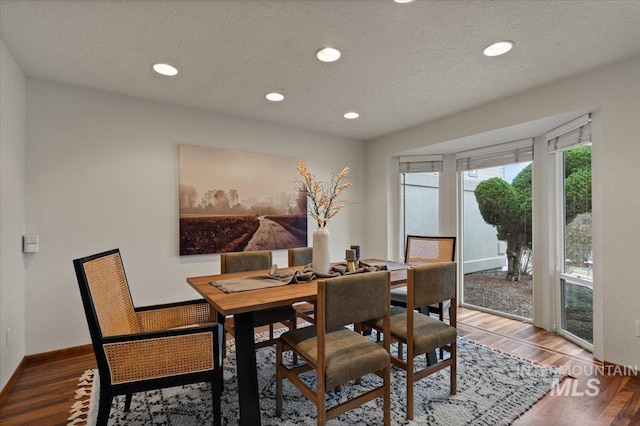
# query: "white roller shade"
[574,133]
[420,163]
[495,155]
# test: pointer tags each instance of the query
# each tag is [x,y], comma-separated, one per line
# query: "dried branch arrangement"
[323,196]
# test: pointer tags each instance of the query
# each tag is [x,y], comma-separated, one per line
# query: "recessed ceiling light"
[274,96]
[165,69]
[328,54]
[351,115]
[403,1]
[498,48]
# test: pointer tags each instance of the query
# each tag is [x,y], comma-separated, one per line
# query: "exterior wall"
[12,215]
[421,206]
[482,250]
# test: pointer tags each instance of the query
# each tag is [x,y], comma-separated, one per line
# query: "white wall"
[12,215]
[102,172]
[615,91]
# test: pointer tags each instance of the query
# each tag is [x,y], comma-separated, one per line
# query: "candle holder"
[356,249]
[350,256]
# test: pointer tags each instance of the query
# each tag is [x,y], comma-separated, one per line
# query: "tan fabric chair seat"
[429,333]
[349,355]
[399,294]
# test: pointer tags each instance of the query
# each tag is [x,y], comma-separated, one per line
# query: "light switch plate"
[637,328]
[31,243]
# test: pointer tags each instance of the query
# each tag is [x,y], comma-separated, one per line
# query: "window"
[570,144]
[419,196]
[496,228]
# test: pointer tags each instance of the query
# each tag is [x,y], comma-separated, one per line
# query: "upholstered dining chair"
[139,349]
[337,353]
[256,261]
[302,256]
[420,333]
[426,250]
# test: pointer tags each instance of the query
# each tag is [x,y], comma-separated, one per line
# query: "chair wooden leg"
[279,349]
[292,326]
[454,368]
[127,402]
[322,409]
[321,404]
[441,317]
[410,380]
[386,404]
[104,407]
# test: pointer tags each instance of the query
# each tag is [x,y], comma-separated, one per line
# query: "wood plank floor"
[44,391]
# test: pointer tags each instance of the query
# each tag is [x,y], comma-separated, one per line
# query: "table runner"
[276,279]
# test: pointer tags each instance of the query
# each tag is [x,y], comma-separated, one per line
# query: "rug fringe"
[79,411]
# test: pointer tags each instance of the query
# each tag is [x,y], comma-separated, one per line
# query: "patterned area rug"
[493,389]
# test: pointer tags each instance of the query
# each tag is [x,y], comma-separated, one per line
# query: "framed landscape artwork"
[239,201]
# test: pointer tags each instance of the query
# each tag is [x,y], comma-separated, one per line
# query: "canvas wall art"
[239,201]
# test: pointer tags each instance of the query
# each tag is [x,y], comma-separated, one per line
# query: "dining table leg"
[247,370]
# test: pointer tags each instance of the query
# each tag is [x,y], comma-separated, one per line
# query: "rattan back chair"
[426,250]
[337,353]
[257,261]
[420,334]
[139,349]
[430,249]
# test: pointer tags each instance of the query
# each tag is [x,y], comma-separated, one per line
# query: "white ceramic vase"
[321,260]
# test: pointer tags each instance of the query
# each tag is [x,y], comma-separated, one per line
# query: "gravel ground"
[491,290]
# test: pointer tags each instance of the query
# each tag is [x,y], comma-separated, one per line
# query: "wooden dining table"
[242,304]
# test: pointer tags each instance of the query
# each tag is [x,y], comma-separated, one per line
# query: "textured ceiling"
[402,64]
